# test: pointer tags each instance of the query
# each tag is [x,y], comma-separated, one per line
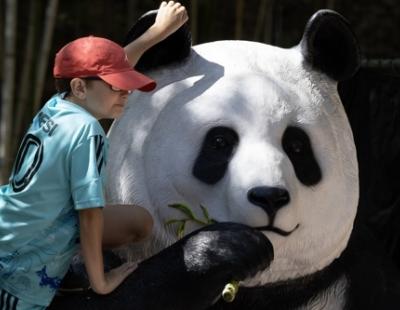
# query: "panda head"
[254,133]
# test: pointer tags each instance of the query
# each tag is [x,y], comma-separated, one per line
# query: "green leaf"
[181,229]
[190,217]
[184,209]
[206,214]
[173,221]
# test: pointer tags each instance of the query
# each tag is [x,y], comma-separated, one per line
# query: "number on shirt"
[32,146]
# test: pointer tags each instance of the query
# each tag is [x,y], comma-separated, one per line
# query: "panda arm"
[189,274]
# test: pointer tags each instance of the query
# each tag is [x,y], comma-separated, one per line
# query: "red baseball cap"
[94,56]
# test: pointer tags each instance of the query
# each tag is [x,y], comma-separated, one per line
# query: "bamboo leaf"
[184,209]
[206,214]
[172,221]
[181,229]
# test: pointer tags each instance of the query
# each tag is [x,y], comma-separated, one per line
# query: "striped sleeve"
[87,172]
[7,301]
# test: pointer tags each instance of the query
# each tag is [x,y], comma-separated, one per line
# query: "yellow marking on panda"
[230,290]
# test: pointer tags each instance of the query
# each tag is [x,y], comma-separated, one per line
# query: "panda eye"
[296,146]
[215,154]
[218,142]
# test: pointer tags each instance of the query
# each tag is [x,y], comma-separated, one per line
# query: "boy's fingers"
[181,10]
[171,3]
[130,265]
[177,5]
[183,14]
[163,4]
[128,268]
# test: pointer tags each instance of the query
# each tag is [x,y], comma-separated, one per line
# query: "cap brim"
[129,80]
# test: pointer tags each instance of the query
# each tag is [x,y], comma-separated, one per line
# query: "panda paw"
[227,250]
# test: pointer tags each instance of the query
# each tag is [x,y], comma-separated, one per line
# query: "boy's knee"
[145,228]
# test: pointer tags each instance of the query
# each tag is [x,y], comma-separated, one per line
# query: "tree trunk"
[25,87]
[276,23]
[131,12]
[193,20]
[239,19]
[10,32]
[270,20]
[264,22]
[330,4]
[2,9]
[51,13]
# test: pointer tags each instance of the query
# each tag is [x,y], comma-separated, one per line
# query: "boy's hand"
[170,17]
[115,277]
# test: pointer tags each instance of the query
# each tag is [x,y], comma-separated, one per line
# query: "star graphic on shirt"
[45,280]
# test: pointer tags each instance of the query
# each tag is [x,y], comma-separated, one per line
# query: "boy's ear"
[78,88]
[173,49]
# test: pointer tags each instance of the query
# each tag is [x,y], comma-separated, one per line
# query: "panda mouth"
[277,230]
[271,228]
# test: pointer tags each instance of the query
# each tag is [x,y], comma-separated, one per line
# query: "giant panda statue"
[254,139]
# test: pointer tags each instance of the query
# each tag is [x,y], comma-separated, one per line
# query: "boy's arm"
[170,17]
[91,233]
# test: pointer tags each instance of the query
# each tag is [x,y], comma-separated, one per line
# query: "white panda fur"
[258,90]
[258,135]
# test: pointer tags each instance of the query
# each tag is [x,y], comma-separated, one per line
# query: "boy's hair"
[63,85]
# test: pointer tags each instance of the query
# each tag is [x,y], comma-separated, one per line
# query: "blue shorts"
[10,302]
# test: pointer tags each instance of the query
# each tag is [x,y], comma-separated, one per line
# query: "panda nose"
[271,199]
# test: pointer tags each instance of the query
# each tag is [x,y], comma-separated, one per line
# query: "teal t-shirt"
[59,169]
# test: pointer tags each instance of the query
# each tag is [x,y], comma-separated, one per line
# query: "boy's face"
[102,101]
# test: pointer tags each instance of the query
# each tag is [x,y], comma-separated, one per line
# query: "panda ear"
[174,48]
[329,45]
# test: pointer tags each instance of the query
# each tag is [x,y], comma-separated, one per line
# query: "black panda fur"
[165,281]
[373,280]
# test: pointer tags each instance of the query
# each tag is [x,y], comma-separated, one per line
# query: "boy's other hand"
[170,17]
[115,277]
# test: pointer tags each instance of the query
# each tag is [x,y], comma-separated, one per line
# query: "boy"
[56,188]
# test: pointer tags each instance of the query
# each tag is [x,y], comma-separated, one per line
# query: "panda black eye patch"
[297,146]
[215,153]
